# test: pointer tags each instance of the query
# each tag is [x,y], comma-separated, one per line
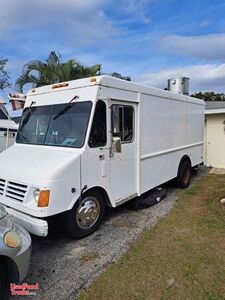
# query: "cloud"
[204,23]
[210,46]
[81,22]
[202,77]
[137,8]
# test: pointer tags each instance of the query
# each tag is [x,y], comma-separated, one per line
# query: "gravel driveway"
[64,267]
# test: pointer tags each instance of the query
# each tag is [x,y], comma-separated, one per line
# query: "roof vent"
[179,85]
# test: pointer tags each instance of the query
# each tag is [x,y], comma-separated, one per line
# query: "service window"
[126,123]
[98,135]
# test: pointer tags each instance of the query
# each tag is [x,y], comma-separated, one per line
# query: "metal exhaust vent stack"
[179,85]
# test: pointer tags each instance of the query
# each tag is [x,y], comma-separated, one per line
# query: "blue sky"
[148,40]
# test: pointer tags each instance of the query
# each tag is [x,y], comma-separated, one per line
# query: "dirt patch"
[87,257]
[218,171]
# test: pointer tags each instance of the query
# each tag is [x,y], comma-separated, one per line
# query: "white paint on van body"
[167,126]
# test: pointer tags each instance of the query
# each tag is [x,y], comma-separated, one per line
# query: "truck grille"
[2,186]
[13,190]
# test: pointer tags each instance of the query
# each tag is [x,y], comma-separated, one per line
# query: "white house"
[8,128]
[214,150]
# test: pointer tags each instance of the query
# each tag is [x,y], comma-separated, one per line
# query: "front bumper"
[33,225]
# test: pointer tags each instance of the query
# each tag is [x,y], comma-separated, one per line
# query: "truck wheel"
[4,291]
[184,174]
[86,216]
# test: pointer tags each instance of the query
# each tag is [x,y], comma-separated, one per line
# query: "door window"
[98,135]
[126,123]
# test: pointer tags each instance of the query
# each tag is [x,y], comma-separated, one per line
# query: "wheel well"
[99,189]
[184,158]
[11,269]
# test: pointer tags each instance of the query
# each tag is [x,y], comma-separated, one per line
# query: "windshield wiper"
[25,120]
[65,109]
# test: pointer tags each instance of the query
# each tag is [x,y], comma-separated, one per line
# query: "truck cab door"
[94,160]
[123,158]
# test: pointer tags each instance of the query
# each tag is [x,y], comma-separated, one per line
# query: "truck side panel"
[169,129]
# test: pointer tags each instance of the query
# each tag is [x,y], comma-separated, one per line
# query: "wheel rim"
[186,174]
[88,212]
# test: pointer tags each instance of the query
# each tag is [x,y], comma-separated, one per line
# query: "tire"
[184,174]
[4,288]
[78,224]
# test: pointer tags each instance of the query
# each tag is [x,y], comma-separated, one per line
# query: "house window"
[10,134]
[126,123]
[98,135]
[2,115]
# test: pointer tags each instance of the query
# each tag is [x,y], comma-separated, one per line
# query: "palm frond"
[38,73]
[53,59]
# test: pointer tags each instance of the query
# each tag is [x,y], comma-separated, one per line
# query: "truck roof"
[109,81]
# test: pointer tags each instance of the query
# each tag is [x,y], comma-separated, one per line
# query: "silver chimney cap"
[179,85]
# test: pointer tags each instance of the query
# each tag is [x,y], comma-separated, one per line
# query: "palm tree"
[4,77]
[53,70]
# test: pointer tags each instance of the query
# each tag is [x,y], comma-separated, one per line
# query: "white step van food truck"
[93,142]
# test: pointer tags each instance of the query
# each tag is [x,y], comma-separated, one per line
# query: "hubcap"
[88,212]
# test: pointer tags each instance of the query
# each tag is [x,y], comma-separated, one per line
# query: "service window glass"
[98,135]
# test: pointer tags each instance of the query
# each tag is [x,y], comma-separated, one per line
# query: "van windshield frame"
[56,125]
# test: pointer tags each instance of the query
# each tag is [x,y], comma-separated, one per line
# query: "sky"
[148,40]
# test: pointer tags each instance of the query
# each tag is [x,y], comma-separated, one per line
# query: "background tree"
[53,70]
[209,96]
[4,77]
[118,75]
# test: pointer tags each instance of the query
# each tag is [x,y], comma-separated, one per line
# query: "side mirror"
[116,145]
[115,119]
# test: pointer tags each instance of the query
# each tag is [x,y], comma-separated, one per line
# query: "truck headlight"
[3,212]
[36,195]
[12,239]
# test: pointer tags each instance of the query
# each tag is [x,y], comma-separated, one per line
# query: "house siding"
[214,150]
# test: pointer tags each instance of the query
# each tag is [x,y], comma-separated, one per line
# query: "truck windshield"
[55,125]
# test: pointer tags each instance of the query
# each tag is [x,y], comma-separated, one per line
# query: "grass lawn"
[182,257]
